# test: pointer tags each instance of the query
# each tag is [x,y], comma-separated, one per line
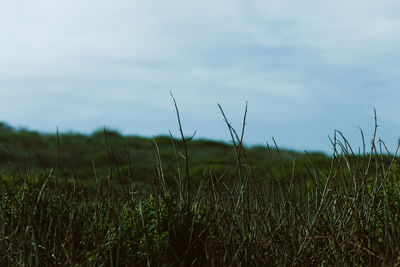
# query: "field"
[106,199]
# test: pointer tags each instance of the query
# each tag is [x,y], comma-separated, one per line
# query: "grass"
[299,214]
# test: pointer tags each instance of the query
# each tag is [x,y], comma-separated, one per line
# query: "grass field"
[112,200]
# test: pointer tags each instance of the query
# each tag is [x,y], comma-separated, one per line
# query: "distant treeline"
[105,152]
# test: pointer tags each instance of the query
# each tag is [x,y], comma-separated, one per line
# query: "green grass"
[138,204]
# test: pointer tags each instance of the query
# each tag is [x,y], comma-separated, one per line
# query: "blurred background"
[305,68]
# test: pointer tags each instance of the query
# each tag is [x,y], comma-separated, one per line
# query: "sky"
[305,68]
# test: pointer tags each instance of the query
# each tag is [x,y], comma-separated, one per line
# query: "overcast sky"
[306,68]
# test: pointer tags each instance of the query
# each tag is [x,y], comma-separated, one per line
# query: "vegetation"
[106,199]
[126,158]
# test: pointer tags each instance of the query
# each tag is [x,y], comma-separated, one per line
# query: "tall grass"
[346,215]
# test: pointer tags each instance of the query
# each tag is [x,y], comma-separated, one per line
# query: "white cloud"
[303,59]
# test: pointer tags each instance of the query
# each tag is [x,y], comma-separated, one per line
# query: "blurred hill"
[78,155]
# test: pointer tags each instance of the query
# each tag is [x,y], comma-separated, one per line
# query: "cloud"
[319,63]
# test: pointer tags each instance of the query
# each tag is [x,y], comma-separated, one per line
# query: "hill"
[107,152]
